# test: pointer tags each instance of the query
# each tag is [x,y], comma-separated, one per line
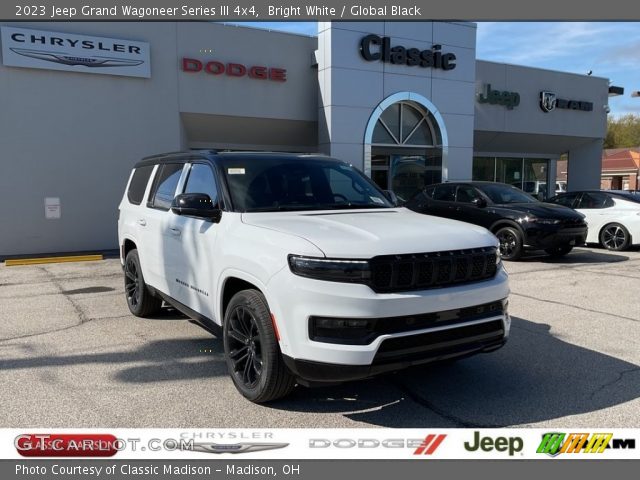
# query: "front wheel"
[615,237]
[511,244]
[561,251]
[251,349]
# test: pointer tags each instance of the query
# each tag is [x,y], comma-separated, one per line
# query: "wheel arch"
[503,222]
[127,245]
[231,283]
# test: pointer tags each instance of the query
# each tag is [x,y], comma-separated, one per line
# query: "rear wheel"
[560,251]
[615,237]
[251,349]
[511,244]
[139,299]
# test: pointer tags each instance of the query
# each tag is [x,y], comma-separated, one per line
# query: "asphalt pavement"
[71,355]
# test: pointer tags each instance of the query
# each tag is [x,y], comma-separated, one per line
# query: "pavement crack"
[620,375]
[631,319]
[81,315]
[457,421]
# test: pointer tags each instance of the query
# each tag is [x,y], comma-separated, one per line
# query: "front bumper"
[295,300]
[549,236]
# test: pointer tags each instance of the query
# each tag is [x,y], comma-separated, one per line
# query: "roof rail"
[166,154]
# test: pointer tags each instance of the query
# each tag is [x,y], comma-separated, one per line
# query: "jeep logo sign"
[497,97]
[512,445]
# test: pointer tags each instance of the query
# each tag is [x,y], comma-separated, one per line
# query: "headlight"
[332,270]
[540,221]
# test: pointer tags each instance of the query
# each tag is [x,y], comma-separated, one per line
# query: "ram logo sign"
[28,48]
[555,443]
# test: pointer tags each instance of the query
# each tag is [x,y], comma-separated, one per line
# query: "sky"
[608,49]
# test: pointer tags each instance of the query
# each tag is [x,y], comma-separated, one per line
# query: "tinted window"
[300,183]
[502,194]
[165,185]
[138,184]
[466,194]
[594,200]
[201,180]
[445,192]
[565,200]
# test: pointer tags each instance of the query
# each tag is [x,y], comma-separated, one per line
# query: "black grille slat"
[432,344]
[432,270]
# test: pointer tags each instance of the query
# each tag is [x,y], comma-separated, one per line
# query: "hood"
[368,233]
[540,209]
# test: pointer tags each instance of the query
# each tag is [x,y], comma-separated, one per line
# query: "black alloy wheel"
[510,243]
[252,351]
[245,347]
[139,299]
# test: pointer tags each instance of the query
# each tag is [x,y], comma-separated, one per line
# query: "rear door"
[439,200]
[598,208]
[157,240]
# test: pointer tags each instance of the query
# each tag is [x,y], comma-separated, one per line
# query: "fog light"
[337,330]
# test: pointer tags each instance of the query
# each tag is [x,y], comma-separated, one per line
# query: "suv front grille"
[419,271]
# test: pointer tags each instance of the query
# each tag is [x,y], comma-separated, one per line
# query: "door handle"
[142,222]
[175,231]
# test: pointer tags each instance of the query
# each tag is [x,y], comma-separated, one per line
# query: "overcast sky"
[610,50]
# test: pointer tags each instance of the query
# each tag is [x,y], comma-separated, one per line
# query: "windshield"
[500,193]
[291,184]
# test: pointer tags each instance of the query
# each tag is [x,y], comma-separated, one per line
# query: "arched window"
[405,142]
[405,124]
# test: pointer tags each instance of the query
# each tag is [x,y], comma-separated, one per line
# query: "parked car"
[538,189]
[518,220]
[613,215]
[304,269]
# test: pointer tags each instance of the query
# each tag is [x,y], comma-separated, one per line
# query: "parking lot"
[72,355]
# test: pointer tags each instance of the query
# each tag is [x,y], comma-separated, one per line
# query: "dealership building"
[408,103]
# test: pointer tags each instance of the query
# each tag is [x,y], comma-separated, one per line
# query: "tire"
[561,251]
[614,237]
[139,299]
[511,247]
[251,349]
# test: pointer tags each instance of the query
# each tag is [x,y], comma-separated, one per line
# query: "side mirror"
[479,202]
[392,197]
[197,205]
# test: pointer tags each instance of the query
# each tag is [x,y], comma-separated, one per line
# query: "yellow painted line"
[35,261]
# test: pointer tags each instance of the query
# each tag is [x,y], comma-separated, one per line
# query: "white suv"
[305,269]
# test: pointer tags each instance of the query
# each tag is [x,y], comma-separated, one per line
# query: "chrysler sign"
[23,47]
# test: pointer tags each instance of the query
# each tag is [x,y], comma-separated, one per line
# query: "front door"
[195,239]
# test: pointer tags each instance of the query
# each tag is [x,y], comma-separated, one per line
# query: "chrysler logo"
[548,101]
[244,447]
[64,59]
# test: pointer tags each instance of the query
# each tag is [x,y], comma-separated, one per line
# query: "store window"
[528,174]
[406,152]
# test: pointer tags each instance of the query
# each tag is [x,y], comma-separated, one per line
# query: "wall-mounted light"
[615,91]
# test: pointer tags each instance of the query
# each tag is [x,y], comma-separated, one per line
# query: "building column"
[585,166]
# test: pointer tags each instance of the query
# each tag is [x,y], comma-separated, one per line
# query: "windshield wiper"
[350,206]
[283,208]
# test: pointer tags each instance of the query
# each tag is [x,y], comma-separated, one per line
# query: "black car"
[518,220]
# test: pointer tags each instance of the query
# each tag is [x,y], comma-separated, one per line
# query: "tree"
[623,132]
